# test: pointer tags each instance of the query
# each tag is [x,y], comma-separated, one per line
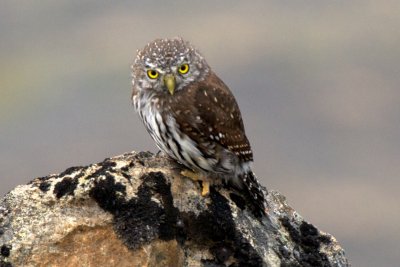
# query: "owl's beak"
[169,81]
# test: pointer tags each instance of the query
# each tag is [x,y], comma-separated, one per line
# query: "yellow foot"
[206,188]
[192,175]
[196,177]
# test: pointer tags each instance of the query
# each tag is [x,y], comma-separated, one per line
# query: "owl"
[193,117]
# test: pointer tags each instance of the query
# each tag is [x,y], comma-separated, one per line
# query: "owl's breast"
[169,137]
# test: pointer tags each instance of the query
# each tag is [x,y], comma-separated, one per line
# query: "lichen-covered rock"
[137,210]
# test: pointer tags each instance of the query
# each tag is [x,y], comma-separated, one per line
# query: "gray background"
[317,83]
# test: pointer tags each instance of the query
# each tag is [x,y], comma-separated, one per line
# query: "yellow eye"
[183,69]
[153,74]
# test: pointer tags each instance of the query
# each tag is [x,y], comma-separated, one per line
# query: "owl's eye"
[184,68]
[153,74]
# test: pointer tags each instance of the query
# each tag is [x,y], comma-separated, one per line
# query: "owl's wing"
[209,115]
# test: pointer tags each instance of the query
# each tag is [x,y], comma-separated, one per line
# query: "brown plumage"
[208,113]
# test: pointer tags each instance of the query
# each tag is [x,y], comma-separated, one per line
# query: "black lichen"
[106,165]
[216,226]
[142,156]
[239,201]
[244,199]
[222,252]
[294,234]
[145,218]
[71,170]
[141,219]
[105,193]
[65,187]
[156,184]
[126,175]
[246,254]
[5,250]
[125,170]
[44,186]
[138,221]
[308,241]
[39,180]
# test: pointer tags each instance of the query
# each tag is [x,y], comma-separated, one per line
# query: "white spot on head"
[198,118]
[205,93]
[215,99]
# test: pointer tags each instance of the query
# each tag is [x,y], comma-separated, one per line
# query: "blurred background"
[317,83]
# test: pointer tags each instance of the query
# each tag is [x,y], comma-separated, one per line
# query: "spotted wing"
[208,113]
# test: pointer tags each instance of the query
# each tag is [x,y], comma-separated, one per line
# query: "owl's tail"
[254,192]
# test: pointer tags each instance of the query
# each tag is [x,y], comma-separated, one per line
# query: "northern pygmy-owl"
[193,117]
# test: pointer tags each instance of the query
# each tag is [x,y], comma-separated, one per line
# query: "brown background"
[317,82]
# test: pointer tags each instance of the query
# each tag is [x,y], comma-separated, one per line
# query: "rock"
[137,210]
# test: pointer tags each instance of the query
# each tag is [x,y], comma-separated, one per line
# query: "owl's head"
[166,66]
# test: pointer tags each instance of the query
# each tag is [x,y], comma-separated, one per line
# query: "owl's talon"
[192,175]
[206,189]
